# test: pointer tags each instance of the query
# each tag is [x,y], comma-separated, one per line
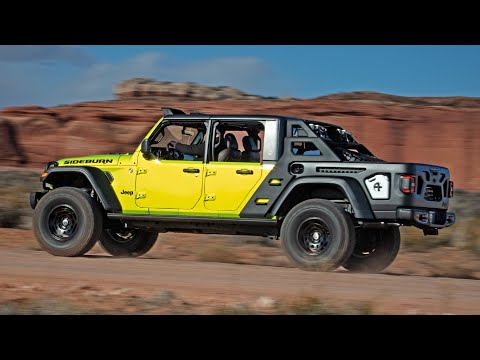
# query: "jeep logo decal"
[89,161]
[127,192]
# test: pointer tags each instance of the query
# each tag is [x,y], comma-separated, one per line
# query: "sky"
[48,75]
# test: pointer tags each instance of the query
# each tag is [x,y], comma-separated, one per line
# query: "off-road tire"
[121,244]
[317,235]
[375,250]
[67,222]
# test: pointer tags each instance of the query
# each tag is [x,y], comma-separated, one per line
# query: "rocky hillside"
[145,88]
[443,131]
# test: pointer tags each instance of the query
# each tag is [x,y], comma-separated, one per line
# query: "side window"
[238,142]
[297,131]
[180,141]
[307,148]
[173,132]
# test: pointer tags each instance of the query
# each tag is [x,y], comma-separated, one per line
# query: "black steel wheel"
[127,242]
[375,250]
[67,222]
[317,235]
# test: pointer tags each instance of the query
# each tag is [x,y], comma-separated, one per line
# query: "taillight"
[408,184]
[450,189]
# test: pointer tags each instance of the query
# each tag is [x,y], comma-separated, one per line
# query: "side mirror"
[146,147]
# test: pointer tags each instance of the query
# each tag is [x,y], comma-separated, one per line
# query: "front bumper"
[427,218]
[35,198]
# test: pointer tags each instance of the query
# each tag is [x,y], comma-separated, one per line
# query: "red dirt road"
[110,284]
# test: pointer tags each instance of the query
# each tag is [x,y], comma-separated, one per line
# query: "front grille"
[433,193]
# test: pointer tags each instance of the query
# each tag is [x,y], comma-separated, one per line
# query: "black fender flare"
[351,188]
[99,181]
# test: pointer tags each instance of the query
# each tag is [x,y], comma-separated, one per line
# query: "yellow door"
[168,184]
[227,184]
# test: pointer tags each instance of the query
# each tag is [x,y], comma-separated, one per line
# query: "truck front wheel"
[67,222]
[317,235]
[374,251]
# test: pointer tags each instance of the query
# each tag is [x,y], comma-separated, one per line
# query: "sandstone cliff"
[441,131]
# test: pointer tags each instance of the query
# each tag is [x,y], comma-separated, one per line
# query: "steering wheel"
[172,153]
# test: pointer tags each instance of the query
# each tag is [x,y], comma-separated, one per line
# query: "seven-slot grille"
[433,184]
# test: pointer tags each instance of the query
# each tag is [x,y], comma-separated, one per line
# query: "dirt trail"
[205,286]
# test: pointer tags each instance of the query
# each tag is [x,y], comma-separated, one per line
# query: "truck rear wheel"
[375,250]
[67,222]
[317,235]
[127,242]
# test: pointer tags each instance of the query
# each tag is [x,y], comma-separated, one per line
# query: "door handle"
[245,172]
[191,170]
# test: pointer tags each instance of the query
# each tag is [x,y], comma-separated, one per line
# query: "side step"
[192,219]
[200,224]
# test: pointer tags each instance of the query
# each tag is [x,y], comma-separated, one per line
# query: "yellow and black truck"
[328,199]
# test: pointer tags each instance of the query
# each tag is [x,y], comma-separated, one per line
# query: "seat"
[231,153]
[251,152]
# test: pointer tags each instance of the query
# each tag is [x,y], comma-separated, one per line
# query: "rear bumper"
[427,218]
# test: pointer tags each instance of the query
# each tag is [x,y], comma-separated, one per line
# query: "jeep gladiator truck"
[328,199]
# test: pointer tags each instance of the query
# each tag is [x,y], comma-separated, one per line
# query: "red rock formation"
[441,131]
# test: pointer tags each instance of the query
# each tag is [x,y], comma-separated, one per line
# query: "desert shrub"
[15,188]
[465,234]
[43,306]
[311,305]
[10,217]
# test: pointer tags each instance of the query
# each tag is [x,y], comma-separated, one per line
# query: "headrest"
[249,144]
[218,140]
[231,141]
